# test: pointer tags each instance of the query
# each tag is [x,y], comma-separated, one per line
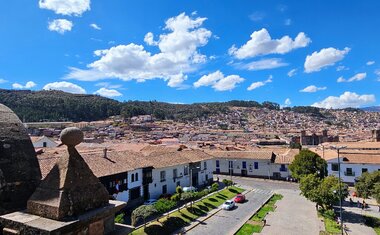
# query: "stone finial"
[71,136]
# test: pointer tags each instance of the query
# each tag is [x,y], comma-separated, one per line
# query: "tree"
[324,192]
[143,212]
[365,185]
[308,162]
[163,205]
[376,192]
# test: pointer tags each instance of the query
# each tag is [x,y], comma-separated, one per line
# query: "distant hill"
[372,109]
[33,106]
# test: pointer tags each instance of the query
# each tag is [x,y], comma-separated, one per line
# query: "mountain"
[34,106]
[372,109]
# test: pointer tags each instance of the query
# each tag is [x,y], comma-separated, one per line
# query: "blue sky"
[322,53]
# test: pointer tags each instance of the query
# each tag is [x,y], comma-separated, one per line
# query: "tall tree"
[365,185]
[308,162]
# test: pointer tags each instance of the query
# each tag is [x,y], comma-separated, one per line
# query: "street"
[228,222]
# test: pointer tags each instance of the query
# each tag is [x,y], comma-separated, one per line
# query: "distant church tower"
[376,135]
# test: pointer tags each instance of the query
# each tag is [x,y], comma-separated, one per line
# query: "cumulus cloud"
[261,43]
[148,39]
[312,88]
[377,72]
[347,99]
[341,68]
[28,85]
[66,7]
[3,81]
[95,26]
[60,25]
[108,92]
[371,62]
[263,64]
[218,81]
[178,55]
[256,85]
[356,77]
[292,72]
[287,102]
[325,57]
[65,86]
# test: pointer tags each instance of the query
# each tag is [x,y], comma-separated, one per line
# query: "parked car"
[189,189]
[240,198]
[150,202]
[228,205]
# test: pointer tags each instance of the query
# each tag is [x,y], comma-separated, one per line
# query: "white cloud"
[288,22]
[377,72]
[179,54]
[60,25]
[3,81]
[261,43]
[148,39]
[356,77]
[28,85]
[66,7]
[287,102]
[312,88]
[371,62]
[263,64]
[108,92]
[325,57]
[347,99]
[292,72]
[95,26]
[341,68]
[256,85]
[108,85]
[65,86]
[218,81]
[257,16]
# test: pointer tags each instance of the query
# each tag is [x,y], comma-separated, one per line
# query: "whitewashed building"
[44,142]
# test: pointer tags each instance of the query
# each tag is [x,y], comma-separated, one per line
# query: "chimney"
[105,152]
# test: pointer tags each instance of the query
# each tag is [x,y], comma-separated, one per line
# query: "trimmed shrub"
[164,205]
[214,187]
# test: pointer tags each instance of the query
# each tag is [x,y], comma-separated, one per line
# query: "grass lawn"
[331,226]
[248,229]
[180,219]
[373,223]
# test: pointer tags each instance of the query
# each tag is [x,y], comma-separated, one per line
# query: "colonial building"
[314,139]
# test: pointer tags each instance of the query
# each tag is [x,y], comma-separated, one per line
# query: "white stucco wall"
[356,169]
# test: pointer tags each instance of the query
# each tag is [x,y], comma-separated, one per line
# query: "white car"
[228,205]
[150,202]
[189,189]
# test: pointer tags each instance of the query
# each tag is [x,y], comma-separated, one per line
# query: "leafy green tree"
[323,192]
[143,212]
[308,162]
[376,192]
[365,184]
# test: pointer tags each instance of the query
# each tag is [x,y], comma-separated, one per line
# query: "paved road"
[294,214]
[228,222]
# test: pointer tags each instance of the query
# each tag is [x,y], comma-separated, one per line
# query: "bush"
[214,187]
[143,212]
[227,182]
[179,190]
[164,205]
[176,197]
[328,214]
[120,218]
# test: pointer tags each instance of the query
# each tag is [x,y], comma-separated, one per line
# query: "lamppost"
[338,148]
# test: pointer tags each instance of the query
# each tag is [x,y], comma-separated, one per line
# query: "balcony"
[349,173]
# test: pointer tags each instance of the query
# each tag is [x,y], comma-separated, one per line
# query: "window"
[217,163]
[244,165]
[44,144]
[175,173]
[335,167]
[230,164]
[364,170]
[256,165]
[206,177]
[204,165]
[349,172]
[186,170]
[164,189]
[163,176]
[283,168]
[133,178]
[137,177]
